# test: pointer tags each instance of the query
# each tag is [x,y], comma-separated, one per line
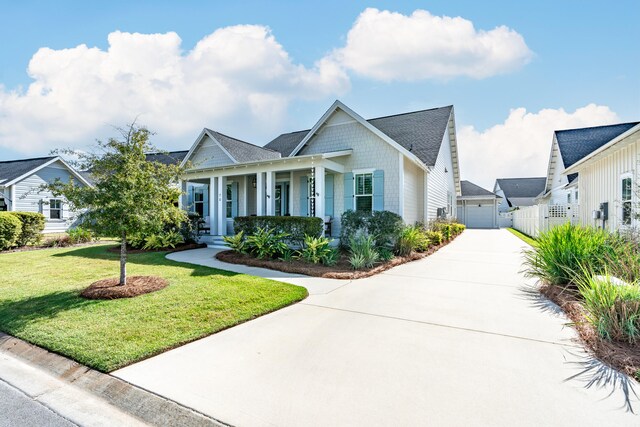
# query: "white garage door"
[480,216]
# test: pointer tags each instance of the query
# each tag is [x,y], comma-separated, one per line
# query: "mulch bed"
[131,250]
[620,355]
[342,269]
[136,285]
[40,247]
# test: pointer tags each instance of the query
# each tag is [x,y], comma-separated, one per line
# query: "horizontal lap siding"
[600,182]
[413,192]
[440,182]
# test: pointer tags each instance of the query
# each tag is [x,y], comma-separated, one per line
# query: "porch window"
[627,193]
[229,204]
[198,203]
[55,209]
[3,205]
[364,192]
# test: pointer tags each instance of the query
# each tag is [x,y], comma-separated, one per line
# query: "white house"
[567,148]
[405,163]
[609,175]
[20,183]
[477,207]
[518,192]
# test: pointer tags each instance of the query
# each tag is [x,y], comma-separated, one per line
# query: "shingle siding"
[209,154]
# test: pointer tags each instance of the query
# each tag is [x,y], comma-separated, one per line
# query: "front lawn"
[39,303]
[525,238]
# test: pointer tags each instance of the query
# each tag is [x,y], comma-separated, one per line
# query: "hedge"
[32,227]
[10,228]
[384,226]
[295,226]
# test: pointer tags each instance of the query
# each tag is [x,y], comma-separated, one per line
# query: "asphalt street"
[19,410]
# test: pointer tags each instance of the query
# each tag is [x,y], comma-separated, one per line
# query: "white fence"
[505,219]
[533,220]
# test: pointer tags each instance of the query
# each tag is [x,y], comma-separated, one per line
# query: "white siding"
[558,181]
[413,192]
[29,196]
[209,154]
[600,181]
[440,182]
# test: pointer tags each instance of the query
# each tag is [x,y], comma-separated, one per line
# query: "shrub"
[10,229]
[236,243]
[295,228]
[443,228]
[363,251]
[266,243]
[79,235]
[315,249]
[167,239]
[612,308]
[58,241]
[331,257]
[457,228]
[384,226]
[434,237]
[190,229]
[385,254]
[32,227]
[566,251]
[410,239]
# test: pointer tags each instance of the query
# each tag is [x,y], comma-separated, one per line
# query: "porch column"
[319,184]
[290,195]
[222,205]
[260,193]
[12,195]
[242,204]
[213,224]
[271,193]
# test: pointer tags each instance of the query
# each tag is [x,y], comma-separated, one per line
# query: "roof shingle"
[522,187]
[469,189]
[12,169]
[243,151]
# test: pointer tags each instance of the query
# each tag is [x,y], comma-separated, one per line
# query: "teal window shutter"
[190,191]
[378,190]
[205,200]
[348,192]
[234,199]
[304,196]
[328,195]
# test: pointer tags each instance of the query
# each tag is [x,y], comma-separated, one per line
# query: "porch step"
[214,242]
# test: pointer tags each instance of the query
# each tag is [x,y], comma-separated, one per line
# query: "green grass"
[527,239]
[39,303]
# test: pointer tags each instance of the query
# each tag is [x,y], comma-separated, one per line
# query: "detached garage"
[477,207]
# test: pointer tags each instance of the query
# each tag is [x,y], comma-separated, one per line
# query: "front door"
[282,199]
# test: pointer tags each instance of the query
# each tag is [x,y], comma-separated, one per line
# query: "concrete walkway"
[453,339]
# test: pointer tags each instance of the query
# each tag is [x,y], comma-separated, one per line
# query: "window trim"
[355,194]
[52,209]
[623,177]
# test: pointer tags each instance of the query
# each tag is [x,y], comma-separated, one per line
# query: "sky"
[71,71]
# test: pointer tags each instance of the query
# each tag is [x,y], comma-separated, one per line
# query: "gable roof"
[522,187]
[469,189]
[242,151]
[574,144]
[167,158]
[418,132]
[10,170]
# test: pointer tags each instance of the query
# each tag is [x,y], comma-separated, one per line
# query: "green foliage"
[129,195]
[386,254]
[163,240]
[236,243]
[331,257]
[434,237]
[32,227]
[384,226]
[287,255]
[10,229]
[265,243]
[190,227]
[60,241]
[315,249]
[79,235]
[565,252]
[612,308]
[443,228]
[294,227]
[363,253]
[411,238]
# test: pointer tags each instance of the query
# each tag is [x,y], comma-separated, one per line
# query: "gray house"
[20,182]
[477,207]
[517,192]
[406,163]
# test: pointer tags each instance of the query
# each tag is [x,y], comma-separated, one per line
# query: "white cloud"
[389,46]
[237,77]
[520,146]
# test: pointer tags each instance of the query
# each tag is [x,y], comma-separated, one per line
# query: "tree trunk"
[123,259]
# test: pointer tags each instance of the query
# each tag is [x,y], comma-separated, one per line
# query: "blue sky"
[580,53]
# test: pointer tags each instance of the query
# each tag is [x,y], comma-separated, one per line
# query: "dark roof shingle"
[575,144]
[12,169]
[243,151]
[167,158]
[469,189]
[522,187]
[287,142]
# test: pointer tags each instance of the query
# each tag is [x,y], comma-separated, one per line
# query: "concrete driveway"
[453,339]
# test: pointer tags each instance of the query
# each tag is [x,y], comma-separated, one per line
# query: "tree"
[130,195]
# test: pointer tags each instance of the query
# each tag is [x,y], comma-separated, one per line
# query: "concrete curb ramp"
[85,396]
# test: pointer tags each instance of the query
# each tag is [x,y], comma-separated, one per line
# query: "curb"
[142,404]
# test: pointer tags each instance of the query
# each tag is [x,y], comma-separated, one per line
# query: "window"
[198,202]
[229,201]
[364,192]
[3,205]
[576,196]
[569,198]
[55,209]
[627,192]
[449,203]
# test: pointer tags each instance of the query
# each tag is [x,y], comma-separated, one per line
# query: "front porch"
[282,187]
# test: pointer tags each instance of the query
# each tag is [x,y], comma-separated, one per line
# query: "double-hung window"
[55,209]
[626,183]
[364,192]
[198,202]
[229,205]
[3,205]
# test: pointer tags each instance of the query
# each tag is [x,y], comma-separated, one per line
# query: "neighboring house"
[518,192]
[405,163]
[20,189]
[568,147]
[609,175]
[477,207]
